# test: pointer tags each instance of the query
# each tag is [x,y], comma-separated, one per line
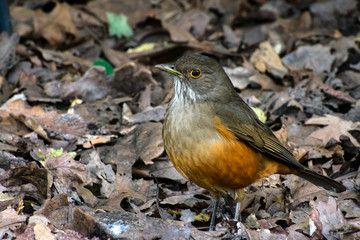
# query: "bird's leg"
[237,216]
[212,222]
[239,196]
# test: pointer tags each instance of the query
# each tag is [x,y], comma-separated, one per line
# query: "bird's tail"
[320,180]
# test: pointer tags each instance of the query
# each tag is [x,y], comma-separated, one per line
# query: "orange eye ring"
[195,73]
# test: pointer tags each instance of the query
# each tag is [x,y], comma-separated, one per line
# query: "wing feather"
[240,119]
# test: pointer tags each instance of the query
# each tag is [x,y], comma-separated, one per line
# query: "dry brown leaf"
[55,25]
[304,192]
[93,85]
[165,169]
[231,39]
[145,98]
[101,174]
[334,128]
[338,94]
[83,223]
[132,77]
[10,217]
[117,58]
[299,153]
[317,58]
[331,218]
[315,225]
[66,171]
[89,141]
[10,223]
[67,126]
[64,216]
[31,173]
[148,141]
[65,58]
[283,135]
[82,19]
[41,229]
[185,201]
[266,59]
[22,19]
[178,34]
[8,57]
[263,80]
[155,114]
[86,195]
[239,76]
[51,205]
[194,21]
[350,208]
[124,188]
[31,123]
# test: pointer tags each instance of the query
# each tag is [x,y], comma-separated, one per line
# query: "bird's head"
[198,78]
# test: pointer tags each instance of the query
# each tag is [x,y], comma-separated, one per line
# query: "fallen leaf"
[21,19]
[68,126]
[32,124]
[10,218]
[93,85]
[131,77]
[55,25]
[101,174]
[165,169]
[155,114]
[88,141]
[8,57]
[266,59]
[66,171]
[195,21]
[177,33]
[232,40]
[350,208]
[317,58]
[65,58]
[118,25]
[331,218]
[185,201]
[239,76]
[148,141]
[124,189]
[41,229]
[31,173]
[334,128]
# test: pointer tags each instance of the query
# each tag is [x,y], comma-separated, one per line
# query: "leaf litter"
[82,109]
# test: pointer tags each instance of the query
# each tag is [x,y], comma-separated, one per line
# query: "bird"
[215,140]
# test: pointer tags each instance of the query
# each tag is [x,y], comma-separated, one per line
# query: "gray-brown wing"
[247,127]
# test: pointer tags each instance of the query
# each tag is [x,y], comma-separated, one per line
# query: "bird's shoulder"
[240,120]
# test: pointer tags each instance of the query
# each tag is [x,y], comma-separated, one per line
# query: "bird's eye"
[195,73]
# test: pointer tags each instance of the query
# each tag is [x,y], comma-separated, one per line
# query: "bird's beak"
[169,69]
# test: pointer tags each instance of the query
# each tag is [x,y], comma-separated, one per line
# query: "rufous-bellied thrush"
[215,139]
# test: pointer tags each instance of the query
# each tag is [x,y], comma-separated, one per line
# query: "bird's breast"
[205,152]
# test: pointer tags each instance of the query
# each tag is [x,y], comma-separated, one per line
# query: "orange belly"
[222,164]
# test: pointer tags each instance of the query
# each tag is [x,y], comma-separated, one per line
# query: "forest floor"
[82,108]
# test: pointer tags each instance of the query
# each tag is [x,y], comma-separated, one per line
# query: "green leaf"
[72,154]
[260,114]
[52,153]
[118,25]
[55,152]
[109,69]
